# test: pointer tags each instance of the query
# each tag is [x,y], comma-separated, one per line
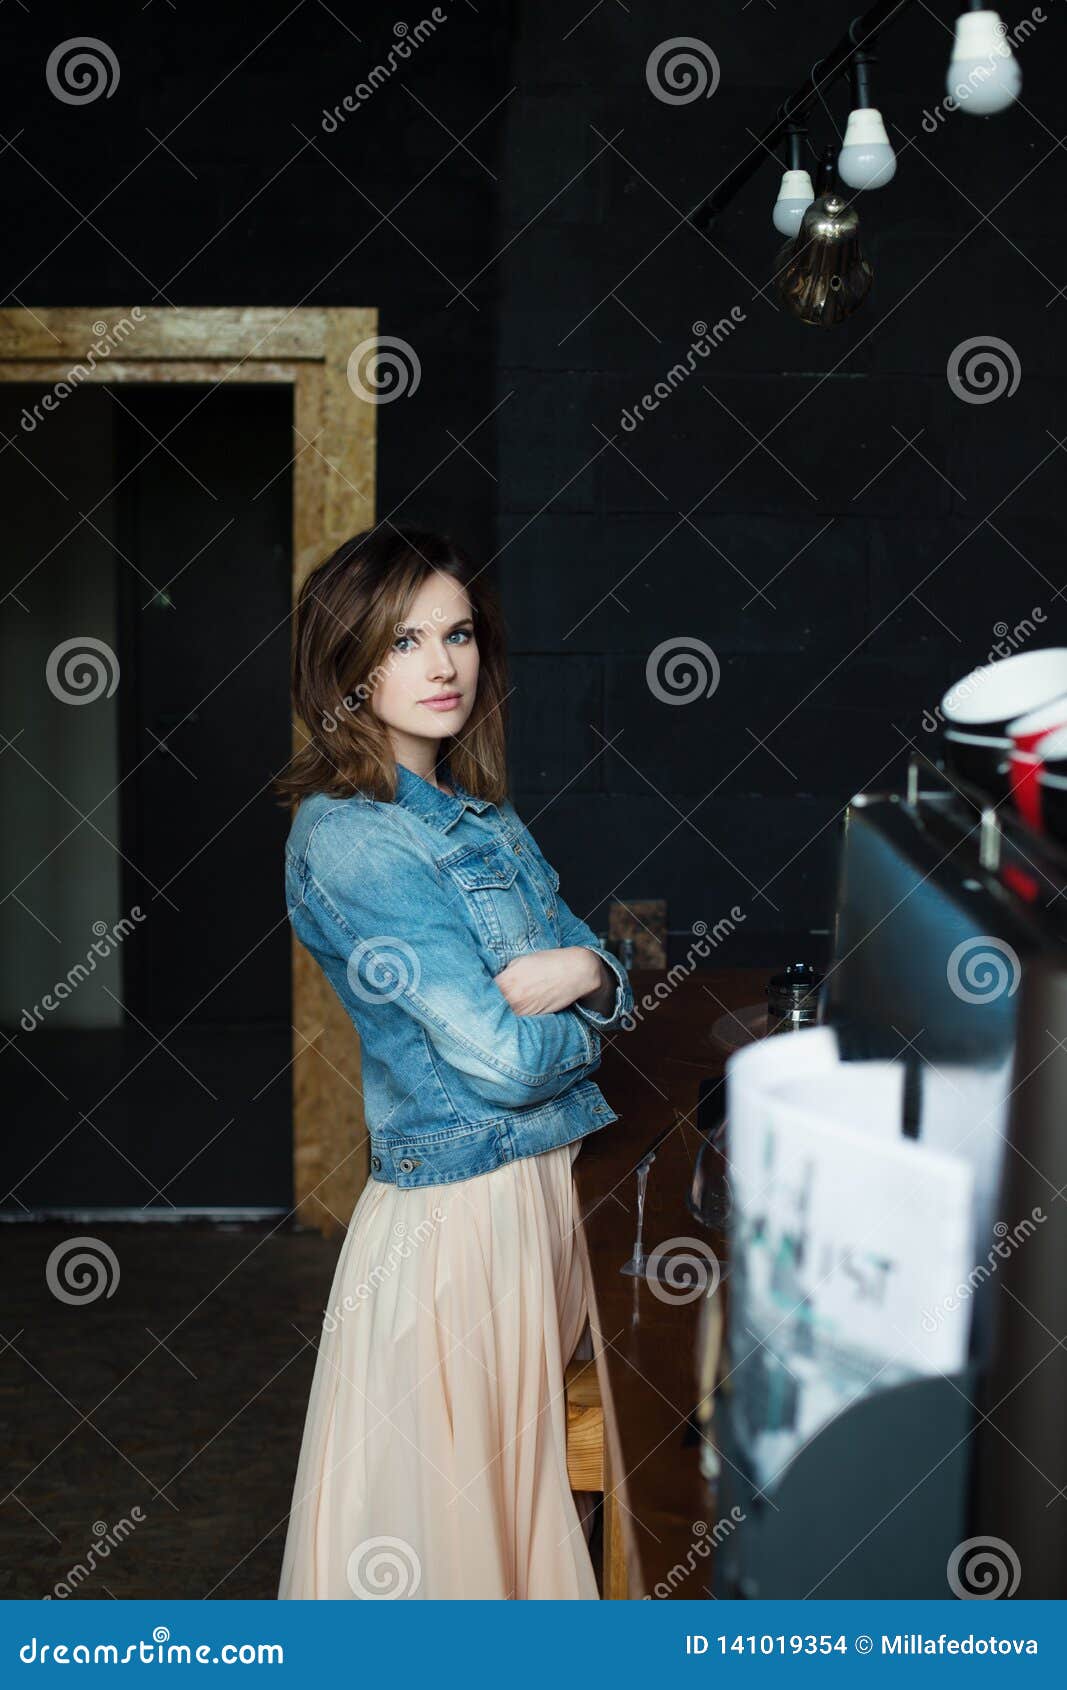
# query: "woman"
[433,1462]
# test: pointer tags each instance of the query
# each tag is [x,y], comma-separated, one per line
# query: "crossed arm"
[407,946]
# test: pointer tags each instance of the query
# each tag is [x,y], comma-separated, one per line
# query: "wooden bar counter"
[660,1512]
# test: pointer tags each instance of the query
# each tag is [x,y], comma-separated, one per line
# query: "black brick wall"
[841,576]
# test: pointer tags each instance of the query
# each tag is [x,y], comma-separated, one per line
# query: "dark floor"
[181,1394]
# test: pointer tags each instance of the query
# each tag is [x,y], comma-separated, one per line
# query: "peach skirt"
[433,1462]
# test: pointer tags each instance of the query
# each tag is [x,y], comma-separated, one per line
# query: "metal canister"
[793,998]
[623,948]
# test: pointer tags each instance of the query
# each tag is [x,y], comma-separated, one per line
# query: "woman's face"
[428,681]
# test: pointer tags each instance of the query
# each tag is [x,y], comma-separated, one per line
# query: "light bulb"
[794,196]
[983,74]
[866,159]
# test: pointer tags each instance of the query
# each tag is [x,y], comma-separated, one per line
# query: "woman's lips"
[447,703]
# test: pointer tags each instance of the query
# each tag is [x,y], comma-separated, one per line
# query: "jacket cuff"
[590,1053]
[624,997]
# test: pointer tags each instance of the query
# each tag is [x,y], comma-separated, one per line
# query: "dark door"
[204,521]
[161,1082]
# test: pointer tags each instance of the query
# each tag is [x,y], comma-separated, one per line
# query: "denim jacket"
[410,908]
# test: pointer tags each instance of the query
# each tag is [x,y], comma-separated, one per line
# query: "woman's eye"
[407,642]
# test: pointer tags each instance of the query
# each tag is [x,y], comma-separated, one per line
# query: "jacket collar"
[431,805]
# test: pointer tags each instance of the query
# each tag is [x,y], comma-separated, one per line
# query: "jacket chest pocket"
[546,879]
[486,878]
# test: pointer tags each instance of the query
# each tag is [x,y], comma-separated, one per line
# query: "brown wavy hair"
[345,625]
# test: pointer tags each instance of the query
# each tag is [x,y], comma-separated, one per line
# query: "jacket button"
[405,1164]
[376,1163]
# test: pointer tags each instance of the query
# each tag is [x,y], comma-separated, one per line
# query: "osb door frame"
[334,440]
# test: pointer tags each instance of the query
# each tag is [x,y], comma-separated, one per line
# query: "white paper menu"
[848,1241]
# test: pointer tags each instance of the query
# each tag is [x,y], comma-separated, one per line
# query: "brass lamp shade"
[822,274]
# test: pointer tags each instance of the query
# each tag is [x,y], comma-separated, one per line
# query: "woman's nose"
[441,665]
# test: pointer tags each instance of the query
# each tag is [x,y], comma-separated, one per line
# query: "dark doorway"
[151,525]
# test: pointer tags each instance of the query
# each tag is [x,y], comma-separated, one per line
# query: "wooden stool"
[587,1468]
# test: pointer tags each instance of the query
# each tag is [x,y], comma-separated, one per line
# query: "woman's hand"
[542,982]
